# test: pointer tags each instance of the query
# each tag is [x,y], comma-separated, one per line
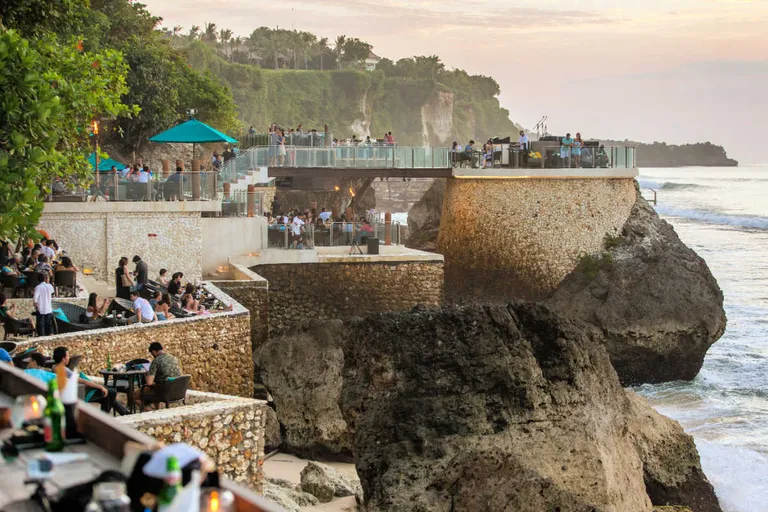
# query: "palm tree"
[339,48]
[194,32]
[224,36]
[177,30]
[210,35]
[235,43]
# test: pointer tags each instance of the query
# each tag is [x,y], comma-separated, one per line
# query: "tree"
[338,48]
[194,32]
[225,35]
[210,35]
[50,93]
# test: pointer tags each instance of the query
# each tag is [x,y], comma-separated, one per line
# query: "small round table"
[130,375]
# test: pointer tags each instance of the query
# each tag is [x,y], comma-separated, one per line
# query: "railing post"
[388,228]
[251,198]
[195,180]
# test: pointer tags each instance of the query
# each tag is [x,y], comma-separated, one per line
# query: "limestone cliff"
[437,119]
[508,407]
[656,303]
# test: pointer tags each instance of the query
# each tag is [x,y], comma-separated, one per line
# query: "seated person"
[174,287]
[163,367]
[163,306]
[31,261]
[9,312]
[36,367]
[188,301]
[104,396]
[93,311]
[13,268]
[162,277]
[144,313]
[44,266]
[66,265]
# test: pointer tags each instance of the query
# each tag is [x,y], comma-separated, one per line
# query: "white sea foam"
[739,476]
[712,217]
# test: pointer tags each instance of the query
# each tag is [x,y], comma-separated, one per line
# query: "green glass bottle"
[171,485]
[54,419]
[109,363]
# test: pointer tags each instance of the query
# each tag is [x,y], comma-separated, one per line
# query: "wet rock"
[657,305]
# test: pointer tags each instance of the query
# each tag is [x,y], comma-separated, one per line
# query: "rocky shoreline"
[512,406]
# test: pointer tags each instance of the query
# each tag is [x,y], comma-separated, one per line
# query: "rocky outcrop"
[424,218]
[654,300]
[671,466]
[325,483]
[272,437]
[437,119]
[302,372]
[288,495]
[496,408]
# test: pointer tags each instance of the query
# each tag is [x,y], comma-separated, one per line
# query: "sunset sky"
[672,70]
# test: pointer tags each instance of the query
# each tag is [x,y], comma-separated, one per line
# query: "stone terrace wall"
[342,289]
[252,292]
[164,239]
[519,238]
[214,349]
[229,429]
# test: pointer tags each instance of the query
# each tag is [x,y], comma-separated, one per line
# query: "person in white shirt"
[48,250]
[144,312]
[524,147]
[296,226]
[325,215]
[144,174]
[42,299]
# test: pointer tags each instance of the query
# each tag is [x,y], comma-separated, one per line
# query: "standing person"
[281,148]
[273,143]
[565,149]
[523,148]
[141,272]
[42,299]
[578,144]
[296,226]
[123,281]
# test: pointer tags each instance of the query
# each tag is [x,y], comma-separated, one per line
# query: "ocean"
[722,213]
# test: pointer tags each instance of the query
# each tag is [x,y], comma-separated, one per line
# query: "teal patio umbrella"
[192,132]
[105,164]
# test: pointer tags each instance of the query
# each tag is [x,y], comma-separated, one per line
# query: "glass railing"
[617,157]
[186,186]
[316,140]
[341,157]
[331,234]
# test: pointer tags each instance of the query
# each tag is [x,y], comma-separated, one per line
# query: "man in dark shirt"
[142,272]
[164,367]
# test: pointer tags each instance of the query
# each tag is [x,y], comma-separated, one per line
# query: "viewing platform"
[380,161]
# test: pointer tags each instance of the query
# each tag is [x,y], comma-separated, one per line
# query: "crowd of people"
[45,262]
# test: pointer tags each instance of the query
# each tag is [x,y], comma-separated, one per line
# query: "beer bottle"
[109,363]
[54,419]
[171,485]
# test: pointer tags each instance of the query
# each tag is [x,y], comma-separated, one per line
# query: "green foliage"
[612,241]
[592,265]
[51,92]
[35,17]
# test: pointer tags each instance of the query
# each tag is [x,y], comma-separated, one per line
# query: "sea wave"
[710,217]
[668,185]
[739,475]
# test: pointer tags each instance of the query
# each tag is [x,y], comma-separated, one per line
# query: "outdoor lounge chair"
[66,280]
[14,283]
[169,392]
[13,327]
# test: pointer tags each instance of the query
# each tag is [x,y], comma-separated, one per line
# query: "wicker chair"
[8,346]
[14,327]
[169,392]
[118,305]
[14,283]
[75,314]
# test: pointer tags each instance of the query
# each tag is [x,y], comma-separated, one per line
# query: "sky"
[658,70]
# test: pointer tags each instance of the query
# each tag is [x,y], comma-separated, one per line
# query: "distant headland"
[661,154]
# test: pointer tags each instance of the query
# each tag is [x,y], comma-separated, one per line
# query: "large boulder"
[654,300]
[671,466]
[489,408]
[302,372]
[325,483]
[288,495]
[424,218]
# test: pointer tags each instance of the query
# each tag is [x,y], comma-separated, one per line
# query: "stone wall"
[227,237]
[164,239]
[214,349]
[519,238]
[252,292]
[230,430]
[328,290]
